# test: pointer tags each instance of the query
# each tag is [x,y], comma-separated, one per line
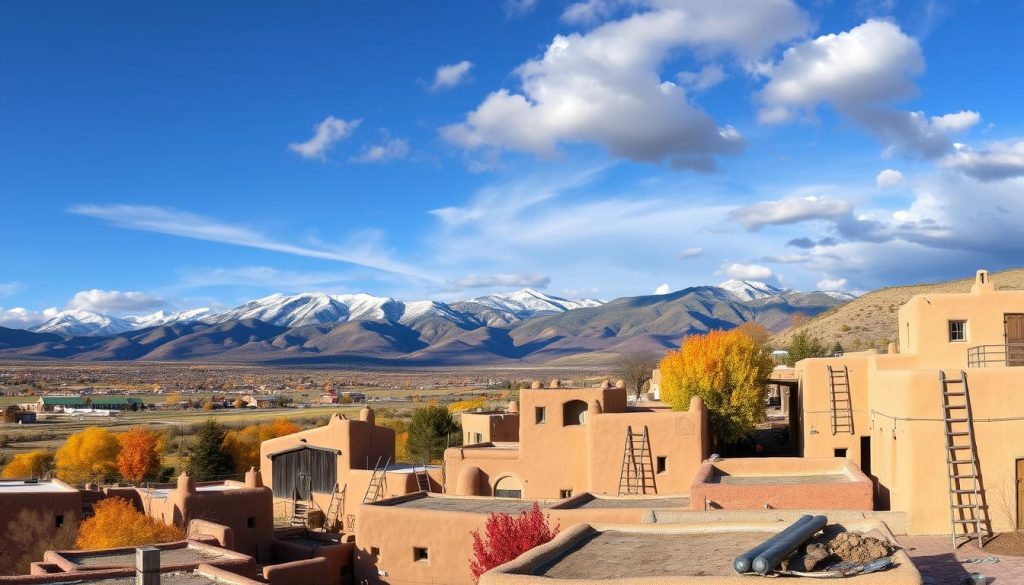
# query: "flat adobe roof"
[628,502]
[779,479]
[21,486]
[170,578]
[478,505]
[168,557]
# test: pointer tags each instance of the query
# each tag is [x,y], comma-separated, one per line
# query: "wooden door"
[1020,494]
[1014,325]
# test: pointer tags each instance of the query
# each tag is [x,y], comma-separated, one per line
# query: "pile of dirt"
[854,548]
[830,549]
[1006,543]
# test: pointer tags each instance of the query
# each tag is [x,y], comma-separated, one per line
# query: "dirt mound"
[854,548]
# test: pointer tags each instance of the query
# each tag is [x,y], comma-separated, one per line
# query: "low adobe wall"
[338,554]
[213,574]
[826,484]
[229,560]
[521,570]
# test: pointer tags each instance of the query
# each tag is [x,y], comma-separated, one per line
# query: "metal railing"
[1007,354]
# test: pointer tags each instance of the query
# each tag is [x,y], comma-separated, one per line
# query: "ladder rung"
[959,461]
[964,506]
[956,420]
[968,521]
[954,406]
[957,434]
[958,447]
[963,476]
[954,393]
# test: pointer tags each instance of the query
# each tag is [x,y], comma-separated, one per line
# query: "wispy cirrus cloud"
[175,222]
[499,281]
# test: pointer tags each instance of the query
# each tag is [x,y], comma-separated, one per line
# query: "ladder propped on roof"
[376,487]
[422,477]
[637,473]
[967,513]
[332,519]
[842,403]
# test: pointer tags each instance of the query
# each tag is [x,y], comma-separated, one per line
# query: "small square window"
[250,522]
[541,414]
[374,552]
[563,494]
[420,554]
[662,464]
[958,330]
[840,452]
[478,438]
[59,520]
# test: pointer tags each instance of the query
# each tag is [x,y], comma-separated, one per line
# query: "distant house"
[99,402]
[345,397]
[262,401]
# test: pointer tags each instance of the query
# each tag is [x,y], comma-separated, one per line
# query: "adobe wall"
[773,491]
[816,405]
[48,504]
[491,426]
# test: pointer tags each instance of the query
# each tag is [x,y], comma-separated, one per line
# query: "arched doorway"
[508,487]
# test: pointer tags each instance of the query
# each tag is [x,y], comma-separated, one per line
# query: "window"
[662,464]
[563,494]
[250,522]
[840,452]
[59,520]
[958,330]
[478,438]
[574,412]
[420,554]
[508,487]
[865,454]
[374,552]
[541,414]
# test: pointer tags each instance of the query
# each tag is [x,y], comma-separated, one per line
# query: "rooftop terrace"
[472,504]
[31,486]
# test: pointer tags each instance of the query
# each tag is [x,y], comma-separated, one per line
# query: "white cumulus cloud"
[448,76]
[747,271]
[998,160]
[325,135]
[861,73]
[831,284]
[889,178]
[663,289]
[114,301]
[691,253]
[22,318]
[604,86]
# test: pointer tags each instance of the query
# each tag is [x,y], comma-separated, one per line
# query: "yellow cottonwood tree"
[89,455]
[729,370]
[244,444]
[31,464]
[116,523]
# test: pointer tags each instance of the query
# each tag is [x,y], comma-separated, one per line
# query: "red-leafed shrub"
[506,537]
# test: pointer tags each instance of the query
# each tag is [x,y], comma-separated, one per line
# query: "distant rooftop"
[170,578]
[23,486]
[477,505]
[591,501]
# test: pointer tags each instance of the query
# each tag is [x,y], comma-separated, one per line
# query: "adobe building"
[936,422]
[334,468]
[574,440]
[53,502]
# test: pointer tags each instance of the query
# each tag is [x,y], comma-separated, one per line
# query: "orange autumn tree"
[117,523]
[31,464]
[244,444]
[729,371]
[139,457]
[89,455]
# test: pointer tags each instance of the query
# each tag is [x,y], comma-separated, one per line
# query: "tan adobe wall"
[816,406]
[552,457]
[824,484]
[64,501]
[924,324]
[67,560]
[489,427]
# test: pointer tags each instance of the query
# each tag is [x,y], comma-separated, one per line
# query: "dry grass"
[870,320]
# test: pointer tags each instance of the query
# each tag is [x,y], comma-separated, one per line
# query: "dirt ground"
[1006,543]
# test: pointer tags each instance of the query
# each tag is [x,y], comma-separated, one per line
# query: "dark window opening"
[574,412]
[865,455]
[662,464]
[478,438]
[420,554]
[563,494]
[59,520]
[508,493]
[374,552]
[958,330]
[840,452]
[541,415]
[250,522]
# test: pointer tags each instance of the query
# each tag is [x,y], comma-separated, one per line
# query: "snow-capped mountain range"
[314,308]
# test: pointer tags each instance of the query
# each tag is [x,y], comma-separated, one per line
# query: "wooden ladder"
[333,515]
[373,491]
[637,473]
[422,478]
[967,518]
[842,405]
[300,506]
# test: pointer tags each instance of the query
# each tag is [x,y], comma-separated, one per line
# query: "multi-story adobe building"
[946,453]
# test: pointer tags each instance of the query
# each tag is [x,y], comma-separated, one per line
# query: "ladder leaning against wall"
[842,404]
[637,473]
[375,489]
[967,515]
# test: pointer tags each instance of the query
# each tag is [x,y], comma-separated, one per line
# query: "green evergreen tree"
[837,349]
[206,460]
[805,346]
[431,431]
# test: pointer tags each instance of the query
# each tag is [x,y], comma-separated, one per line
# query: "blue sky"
[186,154]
